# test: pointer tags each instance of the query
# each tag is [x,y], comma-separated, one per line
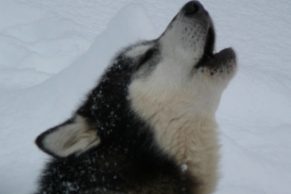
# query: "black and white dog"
[148,127]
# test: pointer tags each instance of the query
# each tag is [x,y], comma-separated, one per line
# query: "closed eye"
[146,57]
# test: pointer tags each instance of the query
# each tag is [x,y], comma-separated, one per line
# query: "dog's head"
[174,75]
[183,68]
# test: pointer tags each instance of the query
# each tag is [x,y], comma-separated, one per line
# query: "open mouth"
[211,59]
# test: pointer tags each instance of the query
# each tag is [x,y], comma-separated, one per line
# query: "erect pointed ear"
[72,137]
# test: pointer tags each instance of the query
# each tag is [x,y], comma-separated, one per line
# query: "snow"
[52,53]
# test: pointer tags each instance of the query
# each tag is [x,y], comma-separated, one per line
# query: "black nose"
[192,8]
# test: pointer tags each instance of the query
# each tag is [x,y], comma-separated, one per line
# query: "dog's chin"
[226,56]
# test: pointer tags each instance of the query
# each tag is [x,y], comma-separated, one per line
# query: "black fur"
[127,161]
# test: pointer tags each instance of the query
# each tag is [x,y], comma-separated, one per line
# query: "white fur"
[184,40]
[183,123]
[71,138]
[179,102]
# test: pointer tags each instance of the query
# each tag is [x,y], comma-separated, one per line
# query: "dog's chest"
[180,132]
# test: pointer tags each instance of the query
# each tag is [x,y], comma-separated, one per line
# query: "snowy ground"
[52,52]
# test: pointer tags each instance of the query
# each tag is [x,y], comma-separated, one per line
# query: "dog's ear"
[72,137]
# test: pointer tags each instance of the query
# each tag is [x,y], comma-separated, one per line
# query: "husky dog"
[148,127]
